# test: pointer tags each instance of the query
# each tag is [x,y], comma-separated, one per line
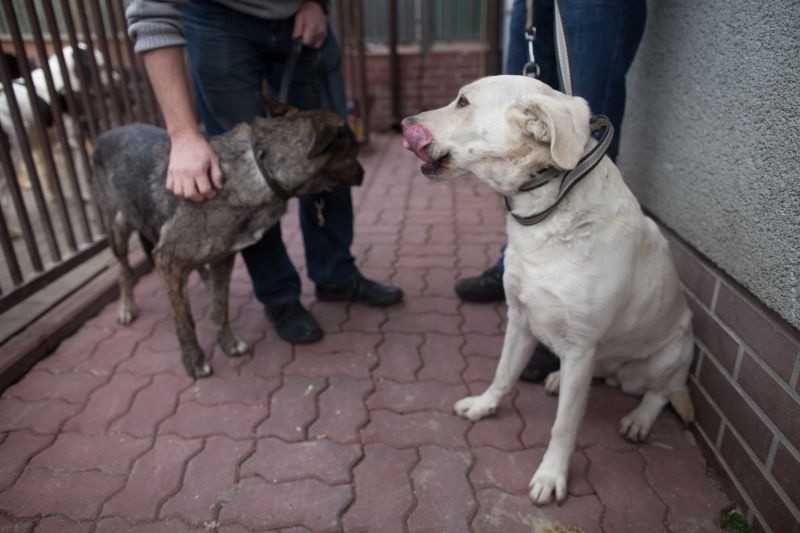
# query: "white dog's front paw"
[552,383]
[546,483]
[635,427]
[475,407]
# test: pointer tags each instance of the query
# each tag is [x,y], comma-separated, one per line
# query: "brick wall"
[746,392]
[425,83]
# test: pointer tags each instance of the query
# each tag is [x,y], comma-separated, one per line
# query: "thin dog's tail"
[148,246]
[681,401]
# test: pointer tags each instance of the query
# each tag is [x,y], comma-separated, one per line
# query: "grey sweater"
[159,23]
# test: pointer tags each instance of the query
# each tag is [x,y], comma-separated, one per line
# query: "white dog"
[594,280]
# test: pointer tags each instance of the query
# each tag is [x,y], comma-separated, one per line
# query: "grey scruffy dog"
[263,164]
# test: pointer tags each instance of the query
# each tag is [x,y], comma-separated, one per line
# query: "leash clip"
[531,68]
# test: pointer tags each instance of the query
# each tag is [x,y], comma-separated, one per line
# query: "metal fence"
[68,72]
[420,20]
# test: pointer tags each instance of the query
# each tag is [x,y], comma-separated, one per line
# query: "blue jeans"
[230,54]
[602,38]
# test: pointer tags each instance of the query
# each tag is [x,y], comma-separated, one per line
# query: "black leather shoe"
[360,289]
[542,362]
[294,323]
[488,287]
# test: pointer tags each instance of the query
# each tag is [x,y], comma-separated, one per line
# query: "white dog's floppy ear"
[563,124]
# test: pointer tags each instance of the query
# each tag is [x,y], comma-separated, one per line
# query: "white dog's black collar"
[571,178]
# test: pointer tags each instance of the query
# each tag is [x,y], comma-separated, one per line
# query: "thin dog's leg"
[219,278]
[118,234]
[174,277]
[551,476]
[517,350]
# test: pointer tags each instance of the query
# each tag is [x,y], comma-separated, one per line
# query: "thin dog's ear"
[562,124]
[325,134]
[273,108]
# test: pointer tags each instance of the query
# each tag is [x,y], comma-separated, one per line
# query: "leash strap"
[581,170]
[531,68]
[288,71]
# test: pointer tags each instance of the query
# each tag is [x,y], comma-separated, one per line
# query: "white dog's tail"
[682,403]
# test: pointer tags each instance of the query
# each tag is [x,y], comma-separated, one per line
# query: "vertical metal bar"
[358,24]
[88,106]
[143,111]
[394,65]
[100,33]
[95,71]
[74,111]
[13,186]
[58,114]
[21,132]
[8,250]
[124,85]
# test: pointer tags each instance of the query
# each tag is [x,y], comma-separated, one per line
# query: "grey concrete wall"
[711,137]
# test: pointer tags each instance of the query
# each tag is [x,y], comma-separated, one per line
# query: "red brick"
[260,504]
[383,490]
[693,273]
[330,315]
[107,403]
[40,417]
[160,354]
[480,319]
[442,359]
[114,525]
[113,351]
[483,345]
[40,385]
[411,281]
[151,405]
[713,336]
[538,411]
[761,332]
[154,477]
[444,497]
[210,479]
[679,478]
[413,397]
[736,409]
[16,526]
[500,430]
[42,492]
[321,459]
[508,471]
[707,415]
[424,323]
[16,450]
[630,503]
[499,511]
[752,478]
[786,471]
[193,420]
[415,429]
[75,452]
[292,408]
[270,356]
[57,524]
[398,357]
[353,365]
[440,281]
[75,349]
[341,410]
[480,369]
[774,398]
[425,305]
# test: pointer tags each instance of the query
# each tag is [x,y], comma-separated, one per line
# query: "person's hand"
[310,24]
[193,171]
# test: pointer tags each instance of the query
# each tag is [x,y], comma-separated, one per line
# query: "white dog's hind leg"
[551,476]
[552,383]
[517,350]
[635,426]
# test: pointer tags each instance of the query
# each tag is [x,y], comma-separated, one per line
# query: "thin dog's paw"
[234,347]
[633,429]
[474,408]
[552,383]
[126,316]
[201,371]
[545,485]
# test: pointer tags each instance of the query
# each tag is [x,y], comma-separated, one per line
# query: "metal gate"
[68,72]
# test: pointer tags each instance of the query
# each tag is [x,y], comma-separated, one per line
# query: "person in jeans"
[234,45]
[602,39]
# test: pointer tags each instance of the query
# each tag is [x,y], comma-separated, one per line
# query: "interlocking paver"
[154,477]
[260,504]
[445,500]
[16,449]
[208,481]
[76,452]
[355,433]
[322,459]
[341,410]
[383,490]
[292,408]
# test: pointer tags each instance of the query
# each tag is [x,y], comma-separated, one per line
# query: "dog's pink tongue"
[415,138]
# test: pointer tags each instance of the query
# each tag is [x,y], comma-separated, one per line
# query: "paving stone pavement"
[355,433]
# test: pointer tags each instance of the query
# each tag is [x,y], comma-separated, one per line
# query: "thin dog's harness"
[569,178]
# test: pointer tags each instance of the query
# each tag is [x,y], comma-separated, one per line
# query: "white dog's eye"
[462,101]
